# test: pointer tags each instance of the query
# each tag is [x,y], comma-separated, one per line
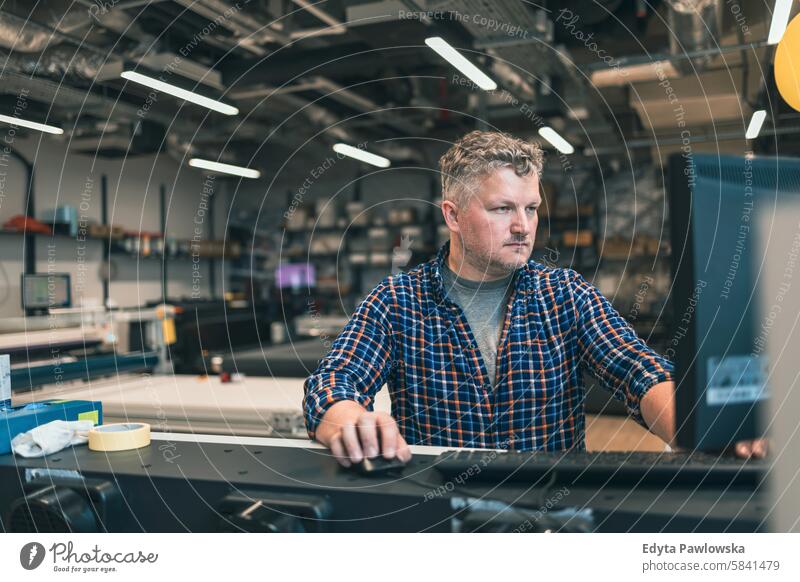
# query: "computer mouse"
[378,466]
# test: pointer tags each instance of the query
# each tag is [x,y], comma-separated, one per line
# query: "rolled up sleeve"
[612,352]
[357,365]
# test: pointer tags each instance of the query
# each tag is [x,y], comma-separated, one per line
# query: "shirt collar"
[521,280]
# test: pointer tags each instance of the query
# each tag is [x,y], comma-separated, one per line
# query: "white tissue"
[51,437]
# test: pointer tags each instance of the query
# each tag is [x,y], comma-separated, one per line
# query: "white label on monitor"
[5,380]
[736,379]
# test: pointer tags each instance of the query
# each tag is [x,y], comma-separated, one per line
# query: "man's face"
[497,224]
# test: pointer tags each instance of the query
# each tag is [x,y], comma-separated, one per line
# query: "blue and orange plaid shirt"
[409,336]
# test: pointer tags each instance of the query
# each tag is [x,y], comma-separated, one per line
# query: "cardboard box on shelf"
[578,238]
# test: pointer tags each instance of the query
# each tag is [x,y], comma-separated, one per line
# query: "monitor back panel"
[721,363]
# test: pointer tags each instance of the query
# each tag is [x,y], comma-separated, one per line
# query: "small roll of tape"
[123,436]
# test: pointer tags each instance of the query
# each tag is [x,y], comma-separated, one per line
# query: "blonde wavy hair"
[478,154]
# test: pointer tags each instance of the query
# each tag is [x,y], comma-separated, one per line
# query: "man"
[482,347]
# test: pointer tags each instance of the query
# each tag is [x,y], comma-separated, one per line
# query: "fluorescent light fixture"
[780,18]
[756,122]
[455,58]
[224,168]
[361,155]
[556,140]
[190,96]
[31,125]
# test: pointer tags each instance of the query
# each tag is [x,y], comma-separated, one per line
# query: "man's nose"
[521,223]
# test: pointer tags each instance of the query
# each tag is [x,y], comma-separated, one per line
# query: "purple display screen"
[295,276]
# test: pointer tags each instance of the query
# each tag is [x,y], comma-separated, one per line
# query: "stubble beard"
[488,262]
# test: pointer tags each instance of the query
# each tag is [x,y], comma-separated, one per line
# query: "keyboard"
[599,468]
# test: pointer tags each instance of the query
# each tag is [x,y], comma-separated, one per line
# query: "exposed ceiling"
[307,74]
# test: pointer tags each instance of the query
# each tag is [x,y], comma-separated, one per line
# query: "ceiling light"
[362,155]
[31,125]
[555,140]
[754,128]
[455,58]
[780,18]
[224,168]
[175,91]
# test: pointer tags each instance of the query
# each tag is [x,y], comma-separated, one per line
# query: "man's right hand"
[352,433]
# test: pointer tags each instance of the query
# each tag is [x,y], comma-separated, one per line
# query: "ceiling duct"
[331,124]
[52,49]
[703,100]
[318,115]
[26,36]
[168,64]
[57,62]
[143,137]
[66,97]
[695,25]
[510,32]
[519,38]
[81,109]
[333,91]
[250,32]
[592,12]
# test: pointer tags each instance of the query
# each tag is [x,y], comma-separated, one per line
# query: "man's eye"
[532,209]
[501,209]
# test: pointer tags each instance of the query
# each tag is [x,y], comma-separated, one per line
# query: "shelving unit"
[252,272]
[140,246]
[348,256]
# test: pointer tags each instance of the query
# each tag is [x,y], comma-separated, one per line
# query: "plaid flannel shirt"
[408,335]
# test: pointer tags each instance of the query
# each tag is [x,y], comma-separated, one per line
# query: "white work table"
[189,403]
[203,406]
[270,442]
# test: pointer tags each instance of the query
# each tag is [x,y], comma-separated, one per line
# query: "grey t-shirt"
[484,305]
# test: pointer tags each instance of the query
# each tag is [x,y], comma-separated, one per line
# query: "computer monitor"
[717,343]
[46,291]
[780,306]
[295,276]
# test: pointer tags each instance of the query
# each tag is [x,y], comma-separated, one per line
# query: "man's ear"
[450,213]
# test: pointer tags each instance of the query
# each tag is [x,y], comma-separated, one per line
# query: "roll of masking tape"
[123,436]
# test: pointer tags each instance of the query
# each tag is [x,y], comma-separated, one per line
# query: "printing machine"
[235,457]
[207,483]
[79,344]
[232,456]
